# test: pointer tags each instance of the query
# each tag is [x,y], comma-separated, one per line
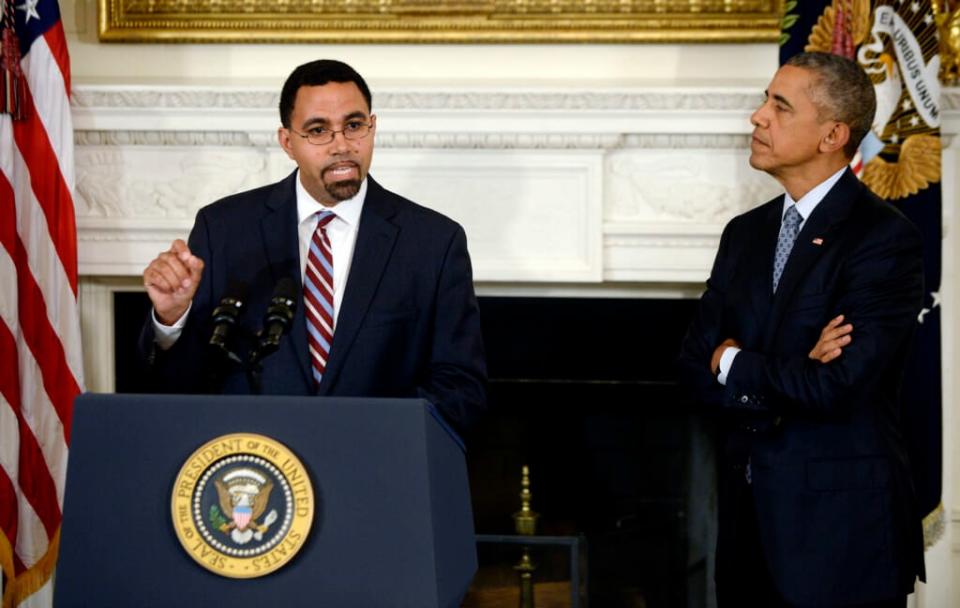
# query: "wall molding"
[472,141]
[149,156]
[674,99]
[667,168]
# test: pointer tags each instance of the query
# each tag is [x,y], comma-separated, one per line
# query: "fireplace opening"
[584,392]
[622,470]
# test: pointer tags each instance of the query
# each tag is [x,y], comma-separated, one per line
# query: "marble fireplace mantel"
[552,186]
[610,191]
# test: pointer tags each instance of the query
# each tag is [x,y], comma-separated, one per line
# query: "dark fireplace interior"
[583,391]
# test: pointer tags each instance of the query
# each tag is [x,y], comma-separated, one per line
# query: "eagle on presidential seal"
[244,494]
[901,154]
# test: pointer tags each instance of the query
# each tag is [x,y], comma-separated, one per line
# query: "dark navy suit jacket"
[830,478]
[408,325]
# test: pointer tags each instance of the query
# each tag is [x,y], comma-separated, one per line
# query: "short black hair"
[318,73]
[842,92]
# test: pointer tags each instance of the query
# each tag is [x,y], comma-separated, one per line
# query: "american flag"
[40,357]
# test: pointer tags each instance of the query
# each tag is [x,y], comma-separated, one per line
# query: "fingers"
[195,265]
[834,337]
[826,352]
[832,324]
[834,329]
[179,246]
[175,271]
[162,276]
[831,355]
[167,273]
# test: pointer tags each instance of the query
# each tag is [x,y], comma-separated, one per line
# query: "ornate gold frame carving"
[439,21]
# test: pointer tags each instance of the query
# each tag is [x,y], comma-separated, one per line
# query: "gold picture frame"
[439,21]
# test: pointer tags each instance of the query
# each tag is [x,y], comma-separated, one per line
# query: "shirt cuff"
[167,335]
[726,362]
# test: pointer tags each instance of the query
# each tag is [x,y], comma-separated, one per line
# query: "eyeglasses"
[321,136]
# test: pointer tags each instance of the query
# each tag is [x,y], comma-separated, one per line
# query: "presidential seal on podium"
[242,505]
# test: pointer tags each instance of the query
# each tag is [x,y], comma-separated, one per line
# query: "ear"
[836,138]
[373,122]
[283,137]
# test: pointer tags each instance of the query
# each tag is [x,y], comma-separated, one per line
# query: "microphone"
[277,320]
[227,315]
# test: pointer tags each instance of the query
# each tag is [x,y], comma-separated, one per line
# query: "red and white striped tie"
[318,296]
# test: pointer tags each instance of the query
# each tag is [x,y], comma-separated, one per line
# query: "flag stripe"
[52,104]
[49,187]
[40,337]
[8,496]
[42,259]
[32,476]
[24,471]
[8,527]
[25,384]
[44,344]
[9,392]
[57,41]
[27,530]
[8,458]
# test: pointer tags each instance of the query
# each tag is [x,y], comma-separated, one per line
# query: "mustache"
[341,163]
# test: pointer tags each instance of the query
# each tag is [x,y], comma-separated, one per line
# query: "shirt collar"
[809,201]
[348,210]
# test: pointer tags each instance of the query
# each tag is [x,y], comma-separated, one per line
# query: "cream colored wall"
[945,557]
[93,62]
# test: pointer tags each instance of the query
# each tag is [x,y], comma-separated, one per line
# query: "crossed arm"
[833,338]
[879,290]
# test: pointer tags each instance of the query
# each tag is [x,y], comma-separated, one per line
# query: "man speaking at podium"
[375,291]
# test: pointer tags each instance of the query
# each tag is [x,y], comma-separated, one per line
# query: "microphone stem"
[254,379]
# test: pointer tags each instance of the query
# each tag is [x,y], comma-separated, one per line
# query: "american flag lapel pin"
[818,241]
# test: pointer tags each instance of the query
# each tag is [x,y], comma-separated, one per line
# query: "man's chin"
[344,189]
[757,163]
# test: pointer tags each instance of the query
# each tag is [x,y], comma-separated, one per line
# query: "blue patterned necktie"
[788,234]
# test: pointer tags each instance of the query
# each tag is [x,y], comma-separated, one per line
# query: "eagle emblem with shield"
[243,495]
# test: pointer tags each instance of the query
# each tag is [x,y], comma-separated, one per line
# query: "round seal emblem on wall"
[242,505]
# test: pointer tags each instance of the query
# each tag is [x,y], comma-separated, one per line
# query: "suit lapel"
[376,236]
[281,241]
[821,226]
[762,259]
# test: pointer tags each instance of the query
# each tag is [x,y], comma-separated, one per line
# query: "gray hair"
[842,92]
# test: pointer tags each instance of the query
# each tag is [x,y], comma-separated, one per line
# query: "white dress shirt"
[342,232]
[805,206]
